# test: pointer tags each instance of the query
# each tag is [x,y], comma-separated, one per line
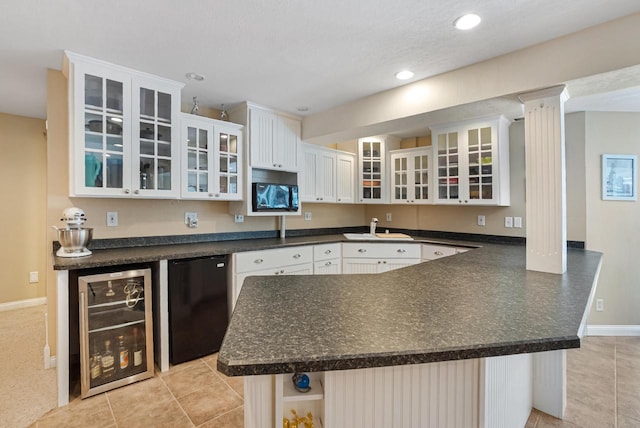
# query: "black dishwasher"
[198,310]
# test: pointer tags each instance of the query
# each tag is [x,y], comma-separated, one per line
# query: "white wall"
[613,227]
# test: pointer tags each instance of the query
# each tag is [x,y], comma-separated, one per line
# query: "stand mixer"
[74,238]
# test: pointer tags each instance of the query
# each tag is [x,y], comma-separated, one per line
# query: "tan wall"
[575,160]
[23,166]
[612,226]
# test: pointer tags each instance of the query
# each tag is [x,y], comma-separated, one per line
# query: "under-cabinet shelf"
[290,394]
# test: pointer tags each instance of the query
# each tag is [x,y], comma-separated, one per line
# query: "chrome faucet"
[372,226]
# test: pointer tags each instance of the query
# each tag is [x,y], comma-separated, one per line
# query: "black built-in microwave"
[275,197]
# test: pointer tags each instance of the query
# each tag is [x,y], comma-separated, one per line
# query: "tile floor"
[603,390]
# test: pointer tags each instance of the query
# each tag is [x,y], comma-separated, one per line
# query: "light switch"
[517,222]
[508,222]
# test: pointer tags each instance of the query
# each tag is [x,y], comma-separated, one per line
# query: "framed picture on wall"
[619,177]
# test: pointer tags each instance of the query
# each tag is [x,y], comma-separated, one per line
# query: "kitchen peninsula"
[438,344]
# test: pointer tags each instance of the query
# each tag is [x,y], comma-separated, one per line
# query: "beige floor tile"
[546,421]
[629,402]
[151,413]
[533,419]
[182,366]
[93,411]
[210,402]
[626,422]
[184,382]
[234,418]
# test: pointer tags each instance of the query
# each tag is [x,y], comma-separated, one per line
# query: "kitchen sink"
[369,236]
[361,236]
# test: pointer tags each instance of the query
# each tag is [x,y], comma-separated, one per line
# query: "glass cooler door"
[116,343]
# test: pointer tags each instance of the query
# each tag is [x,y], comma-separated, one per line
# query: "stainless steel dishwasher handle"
[83,350]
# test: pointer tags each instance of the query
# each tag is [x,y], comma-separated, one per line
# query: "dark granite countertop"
[152,253]
[477,304]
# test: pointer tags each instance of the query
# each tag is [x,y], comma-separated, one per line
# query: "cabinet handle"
[384,262]
[275,165]
[136,191]
[281,270]
[296,256]
[258,261]
[465,201]
[327,264]
[327,251]
[438,253]
[379,262]
[339,199]
[210,195]
[279,165]
[402,250]
[459,201]
[83,326]
[217,195]
[127,191]
[362,250]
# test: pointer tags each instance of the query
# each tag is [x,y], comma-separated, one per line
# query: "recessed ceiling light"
[467,22]
[195,76]
[404,75]
[302,108]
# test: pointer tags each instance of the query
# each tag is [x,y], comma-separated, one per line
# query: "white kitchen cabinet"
[378,257]
[327,259]
[345,178]
[124,132]
[433,252]
[273,137]
[279,261]
[318,175]
[471,161]
[211,159]
[410,176]
[372,172]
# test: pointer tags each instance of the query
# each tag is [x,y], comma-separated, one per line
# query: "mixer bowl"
[74,240]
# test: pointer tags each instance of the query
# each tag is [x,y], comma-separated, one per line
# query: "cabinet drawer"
[432,252]
[386,250]
[324,267]
[260,260]
[326,251]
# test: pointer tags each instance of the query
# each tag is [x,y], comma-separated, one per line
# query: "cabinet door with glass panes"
[227,140]
[156,138]
[211,159]
[116,342]
[100,113]
[371,179]
[472,163]
[410,181]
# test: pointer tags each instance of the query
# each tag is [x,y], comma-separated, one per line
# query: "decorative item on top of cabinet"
[273,137]
[410,176]
[124,135]
[372,178]
[471,162]
[211,159]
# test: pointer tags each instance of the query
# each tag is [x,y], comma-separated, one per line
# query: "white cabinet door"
[211,159]
[274,140]
[327,251]
[327,267]
[410,176]
[433,252]
[345,178]
[371,178]
[392,264]
[319,174]
[471,162]
[125,131]
[360,265]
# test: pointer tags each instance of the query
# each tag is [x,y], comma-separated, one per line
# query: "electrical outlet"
[112,218]
[307,215]
[508,222]
[238,218]
[191,219]
[517,222]
[389,217]
[481,220]
[33,277]
[599,305]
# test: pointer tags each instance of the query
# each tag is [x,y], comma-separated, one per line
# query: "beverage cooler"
[116,336]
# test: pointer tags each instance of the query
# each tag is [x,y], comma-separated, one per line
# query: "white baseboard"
[22,304]
[613,330]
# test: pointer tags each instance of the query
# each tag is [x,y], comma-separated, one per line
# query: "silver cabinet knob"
[379,262]
[438,253]
[211,195]
[136,191]
[327,251]
[339,199]
[384,262]
[127,191]
[282,271]
[258,261]
[402,250]
[327,264]
[362,250]
[296,256]
[217,195]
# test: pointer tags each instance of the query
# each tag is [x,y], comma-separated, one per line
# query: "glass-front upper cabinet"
[410,180]
[372,170]
[122,135]
[472,162]
[211,159]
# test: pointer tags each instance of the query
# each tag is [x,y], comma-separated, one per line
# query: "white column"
[62,341]
[545,179]
[546,223]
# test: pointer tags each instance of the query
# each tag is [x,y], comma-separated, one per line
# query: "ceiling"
[280,53]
